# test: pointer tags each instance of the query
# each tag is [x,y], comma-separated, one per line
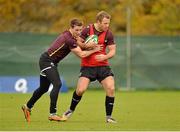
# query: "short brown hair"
[101,15]
[75,22]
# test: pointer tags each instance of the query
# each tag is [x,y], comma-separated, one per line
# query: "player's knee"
[57,84]
[80,92]
[110,91]
[110,87]
[45,90]
[41,90]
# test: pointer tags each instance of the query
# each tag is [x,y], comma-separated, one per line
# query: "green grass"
[139,110]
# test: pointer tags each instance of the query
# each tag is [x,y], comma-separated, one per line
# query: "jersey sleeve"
[71,43]
[85,33]
[109,38]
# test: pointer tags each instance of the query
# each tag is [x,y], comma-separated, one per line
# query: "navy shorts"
[96,73]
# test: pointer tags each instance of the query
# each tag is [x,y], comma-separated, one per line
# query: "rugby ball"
[92,38]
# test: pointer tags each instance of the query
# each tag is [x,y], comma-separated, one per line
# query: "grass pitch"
[152,110]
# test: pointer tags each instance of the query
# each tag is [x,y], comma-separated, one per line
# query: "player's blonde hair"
[101,15]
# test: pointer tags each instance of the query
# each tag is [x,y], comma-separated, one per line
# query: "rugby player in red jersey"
[96,66]
[60,48]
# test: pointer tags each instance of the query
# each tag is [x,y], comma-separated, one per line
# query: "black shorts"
[96,73]
[45,63]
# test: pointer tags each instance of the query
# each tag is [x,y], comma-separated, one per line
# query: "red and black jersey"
[104,38]
[62,46]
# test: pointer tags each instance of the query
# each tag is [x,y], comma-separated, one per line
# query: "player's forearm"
[111,51]
[110,54]
[87,53]
[81,44]
[87,46]
[80,53]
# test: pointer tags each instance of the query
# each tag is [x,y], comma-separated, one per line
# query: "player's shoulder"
[85,31]
[86,28]
[68,37]
[109,33]
[66,33]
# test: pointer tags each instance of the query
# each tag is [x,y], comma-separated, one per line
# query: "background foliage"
[157,17]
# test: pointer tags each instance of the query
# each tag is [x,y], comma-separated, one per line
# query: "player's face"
[77,30]
[104,24]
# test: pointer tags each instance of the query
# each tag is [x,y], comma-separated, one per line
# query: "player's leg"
[53,76]
[105,77]
[108,85]
[43,88]
[44,85]
[87,74]
[82,85]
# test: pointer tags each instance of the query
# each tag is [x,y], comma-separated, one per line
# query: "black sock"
[109,102]
[75,100]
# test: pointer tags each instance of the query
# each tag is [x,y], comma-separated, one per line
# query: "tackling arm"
[80,53]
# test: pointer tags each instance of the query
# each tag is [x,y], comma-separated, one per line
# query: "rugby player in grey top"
[60,48]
